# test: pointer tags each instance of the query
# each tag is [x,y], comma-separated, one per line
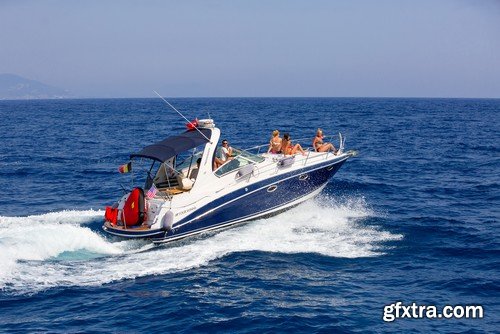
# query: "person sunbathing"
[319,145]
[275,143]
[288,148]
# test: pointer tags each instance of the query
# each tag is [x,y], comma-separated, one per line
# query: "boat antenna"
[171,106]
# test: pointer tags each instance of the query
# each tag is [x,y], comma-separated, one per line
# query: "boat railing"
[311,155]
[301,141]
[273,165]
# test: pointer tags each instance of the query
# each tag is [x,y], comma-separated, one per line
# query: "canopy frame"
[172,146]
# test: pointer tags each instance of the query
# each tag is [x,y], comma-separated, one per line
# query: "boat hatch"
[241,158]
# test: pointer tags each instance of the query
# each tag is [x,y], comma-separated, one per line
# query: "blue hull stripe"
[172,237]
[130,233]
[243,203]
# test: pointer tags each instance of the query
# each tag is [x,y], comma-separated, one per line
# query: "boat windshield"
[181,164]
[187,160]
[241,158]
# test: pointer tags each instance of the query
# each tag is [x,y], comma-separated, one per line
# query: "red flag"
[192,125]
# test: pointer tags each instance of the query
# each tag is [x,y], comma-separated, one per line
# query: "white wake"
[58,249]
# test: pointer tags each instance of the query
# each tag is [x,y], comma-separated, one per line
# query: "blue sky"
[392,48]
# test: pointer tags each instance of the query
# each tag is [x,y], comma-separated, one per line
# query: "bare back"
[275,144]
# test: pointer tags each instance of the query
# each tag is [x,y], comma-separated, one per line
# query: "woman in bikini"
[318,144]
[275,143]
[288,148]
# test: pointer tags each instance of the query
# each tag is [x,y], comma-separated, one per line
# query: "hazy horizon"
[127,49]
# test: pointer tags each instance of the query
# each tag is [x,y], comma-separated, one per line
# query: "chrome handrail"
[300,141]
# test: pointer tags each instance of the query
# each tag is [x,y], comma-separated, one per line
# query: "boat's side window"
[193,174]
[161,174]
[166,176]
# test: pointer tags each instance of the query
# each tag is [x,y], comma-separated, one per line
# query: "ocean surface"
[415,217]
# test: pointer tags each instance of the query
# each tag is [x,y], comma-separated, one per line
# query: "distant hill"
[14,87]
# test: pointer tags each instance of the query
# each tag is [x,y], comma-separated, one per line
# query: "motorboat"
[186,192]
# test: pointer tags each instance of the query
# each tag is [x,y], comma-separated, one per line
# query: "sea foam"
[35,249]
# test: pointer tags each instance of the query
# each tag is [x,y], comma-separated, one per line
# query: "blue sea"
[414,217]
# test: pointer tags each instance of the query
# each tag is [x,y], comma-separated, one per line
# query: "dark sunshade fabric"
[172,146]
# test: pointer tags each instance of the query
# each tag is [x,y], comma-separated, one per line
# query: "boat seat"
[181,184]
[174,191]
[184,182]
[171,191]
[172,182]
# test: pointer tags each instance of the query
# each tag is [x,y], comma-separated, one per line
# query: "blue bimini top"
[174,145]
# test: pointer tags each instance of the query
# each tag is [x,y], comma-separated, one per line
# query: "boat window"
[240,159]
[147,171]
[166,176]
[184,161]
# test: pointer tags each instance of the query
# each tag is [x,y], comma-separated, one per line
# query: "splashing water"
[57,249]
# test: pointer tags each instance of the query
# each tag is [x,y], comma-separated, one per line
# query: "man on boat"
[224,154]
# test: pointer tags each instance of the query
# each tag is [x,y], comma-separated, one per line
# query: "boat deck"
[121,227]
